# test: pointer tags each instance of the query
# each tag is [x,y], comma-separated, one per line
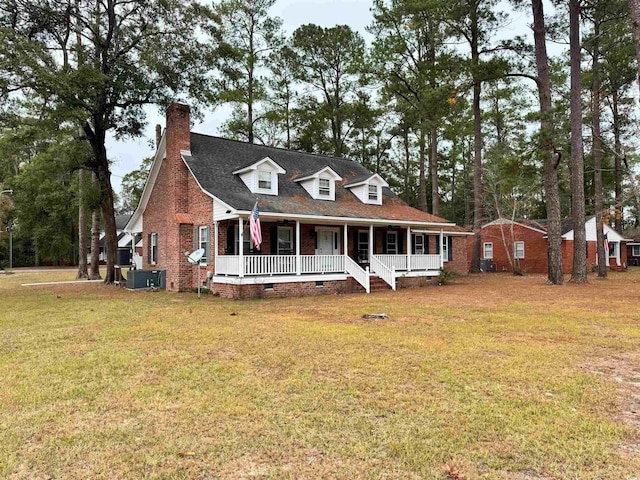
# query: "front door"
[328,242]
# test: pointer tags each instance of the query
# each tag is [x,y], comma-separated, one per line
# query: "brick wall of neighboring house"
[567,256]
[535,247]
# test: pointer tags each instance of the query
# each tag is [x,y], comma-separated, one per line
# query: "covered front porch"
[298,250]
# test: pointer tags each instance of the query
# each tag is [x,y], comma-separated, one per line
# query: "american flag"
[254,227]
[606,245]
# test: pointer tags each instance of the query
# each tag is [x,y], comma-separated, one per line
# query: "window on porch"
[418,244]
[285,241]
[635,250]
[363,246]
[392,243]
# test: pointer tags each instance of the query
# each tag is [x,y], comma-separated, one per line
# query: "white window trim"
[515,250]
[484,250]
[328,195]
[415,243]
[635,250]
[445,248]
[154,244]
[359,243]
[271,189]
[393,235]
[290,230]
[204,231]
[369,193]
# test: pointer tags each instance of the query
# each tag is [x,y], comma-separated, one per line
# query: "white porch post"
[409,248]
[345,244]
[618,253]
[606,257]
[298,265]
[441,249]
[240,246]
[371,243]
[215,247]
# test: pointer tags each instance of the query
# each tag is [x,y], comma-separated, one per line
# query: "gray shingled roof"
[213,160]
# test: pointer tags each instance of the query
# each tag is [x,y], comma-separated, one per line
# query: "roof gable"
[524,224]
[266,161]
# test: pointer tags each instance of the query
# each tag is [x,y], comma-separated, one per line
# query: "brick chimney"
[178,137]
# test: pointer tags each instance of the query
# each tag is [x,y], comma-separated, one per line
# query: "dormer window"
[368,188]
[264,180]
[373,193]
[262,176]
[324,187]
[321,185]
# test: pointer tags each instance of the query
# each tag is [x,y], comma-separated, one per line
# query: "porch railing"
[322,263]
[278,264]
[269,265]
[384,272]
[228,265]
[425,262]
[358,273]
[418,262]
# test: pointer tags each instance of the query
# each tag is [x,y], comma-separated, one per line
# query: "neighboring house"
[328,224]
[617,257]
[526,242]
[633,252]
[124,245]
[505,242]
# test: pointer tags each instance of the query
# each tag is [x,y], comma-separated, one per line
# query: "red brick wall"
[535,247]
[297,289]
[174,192]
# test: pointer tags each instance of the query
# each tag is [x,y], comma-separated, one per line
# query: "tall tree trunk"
[95,240]
[551,188]
[634,6]
[478,194]
[579,270]
[435,193]
[597,152]
[465,174]
[618,163]
[422,182]
[82,228]
[407,162]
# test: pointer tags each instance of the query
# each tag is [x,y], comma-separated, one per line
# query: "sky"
[127,154]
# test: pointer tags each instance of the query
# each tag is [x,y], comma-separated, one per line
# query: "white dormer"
[262,176]
[368,190]
[321,185]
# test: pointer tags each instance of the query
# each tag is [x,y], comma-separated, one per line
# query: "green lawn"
[504,376]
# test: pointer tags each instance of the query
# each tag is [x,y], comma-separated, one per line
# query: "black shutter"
[385,240]
[274,240]
[438,245]
[231,240]
[399,242]
[450,247]
[426,244]
[148,248]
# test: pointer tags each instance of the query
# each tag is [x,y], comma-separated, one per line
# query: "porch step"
[376,284]
[617,268]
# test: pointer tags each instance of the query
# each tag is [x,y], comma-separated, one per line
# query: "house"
[617,257]
[505,242]
[525,242]
[633,252]
[124,239]
[328,225]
